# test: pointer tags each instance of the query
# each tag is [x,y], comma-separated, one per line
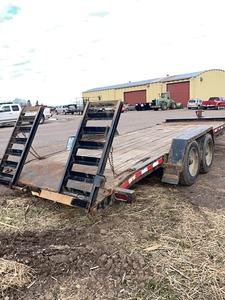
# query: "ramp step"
[6,176]
[14,152]
[87,160]
[100,115]
[91,145]
[24,128]
[81,202]
[21,141]
[82,177]
[4,181]
[95,130]
[28,118]
[10,163]
[76,191]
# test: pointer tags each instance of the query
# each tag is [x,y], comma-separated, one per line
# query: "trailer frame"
[122,191]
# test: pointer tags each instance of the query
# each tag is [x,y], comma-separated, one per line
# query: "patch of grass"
[14,274]
[30,213]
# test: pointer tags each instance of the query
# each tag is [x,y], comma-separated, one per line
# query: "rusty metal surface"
[45,173]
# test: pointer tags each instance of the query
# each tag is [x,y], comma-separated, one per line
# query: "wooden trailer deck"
[131,152]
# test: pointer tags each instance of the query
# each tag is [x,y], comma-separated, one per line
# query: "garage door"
[135,97]
[180,92]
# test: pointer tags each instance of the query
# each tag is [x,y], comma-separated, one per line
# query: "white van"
[10,112]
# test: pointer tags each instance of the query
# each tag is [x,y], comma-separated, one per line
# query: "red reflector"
[121,197]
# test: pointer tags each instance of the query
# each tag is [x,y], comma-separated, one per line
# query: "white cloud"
[70,46]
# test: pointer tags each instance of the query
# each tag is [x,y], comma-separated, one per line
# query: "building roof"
[144,82]
[124,85]
[181,76]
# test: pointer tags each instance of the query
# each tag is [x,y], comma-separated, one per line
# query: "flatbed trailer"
[182,147]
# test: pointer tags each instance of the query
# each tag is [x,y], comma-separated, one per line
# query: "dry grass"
[14,274]
[21,213]
[183,247]
[187,258]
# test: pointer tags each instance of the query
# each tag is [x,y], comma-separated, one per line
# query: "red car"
[214,103]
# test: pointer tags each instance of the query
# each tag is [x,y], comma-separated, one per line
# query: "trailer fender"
[175,161]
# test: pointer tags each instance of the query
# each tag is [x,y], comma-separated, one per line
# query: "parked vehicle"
[71,109]
[194,103]
[143,106]
[165,102]
[61,109]
[214,103]
[129,107]
[102,106]
[68,109]
[10,112]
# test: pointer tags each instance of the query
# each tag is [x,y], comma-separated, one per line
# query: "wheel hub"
[193,162]
[209,154]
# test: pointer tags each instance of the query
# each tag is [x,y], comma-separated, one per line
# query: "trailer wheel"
[207,154]
[173,105]
[191,164]
[164,106]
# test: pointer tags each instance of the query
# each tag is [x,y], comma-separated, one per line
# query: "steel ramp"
[83,185]
[19,145]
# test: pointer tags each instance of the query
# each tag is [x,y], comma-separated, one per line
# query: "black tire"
[156,109]
[164,106]
[207,154]
[191,164]
[173,105]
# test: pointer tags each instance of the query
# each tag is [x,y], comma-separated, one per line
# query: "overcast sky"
[52,50]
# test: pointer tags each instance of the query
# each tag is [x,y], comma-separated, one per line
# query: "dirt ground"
[168,244]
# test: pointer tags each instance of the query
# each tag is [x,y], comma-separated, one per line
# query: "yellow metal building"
[203,84]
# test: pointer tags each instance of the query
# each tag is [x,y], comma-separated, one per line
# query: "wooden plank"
[126,160]
[64,199]
[140,154]
[145,139]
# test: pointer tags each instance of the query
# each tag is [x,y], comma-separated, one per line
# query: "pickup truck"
[10,112]
[214,103]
